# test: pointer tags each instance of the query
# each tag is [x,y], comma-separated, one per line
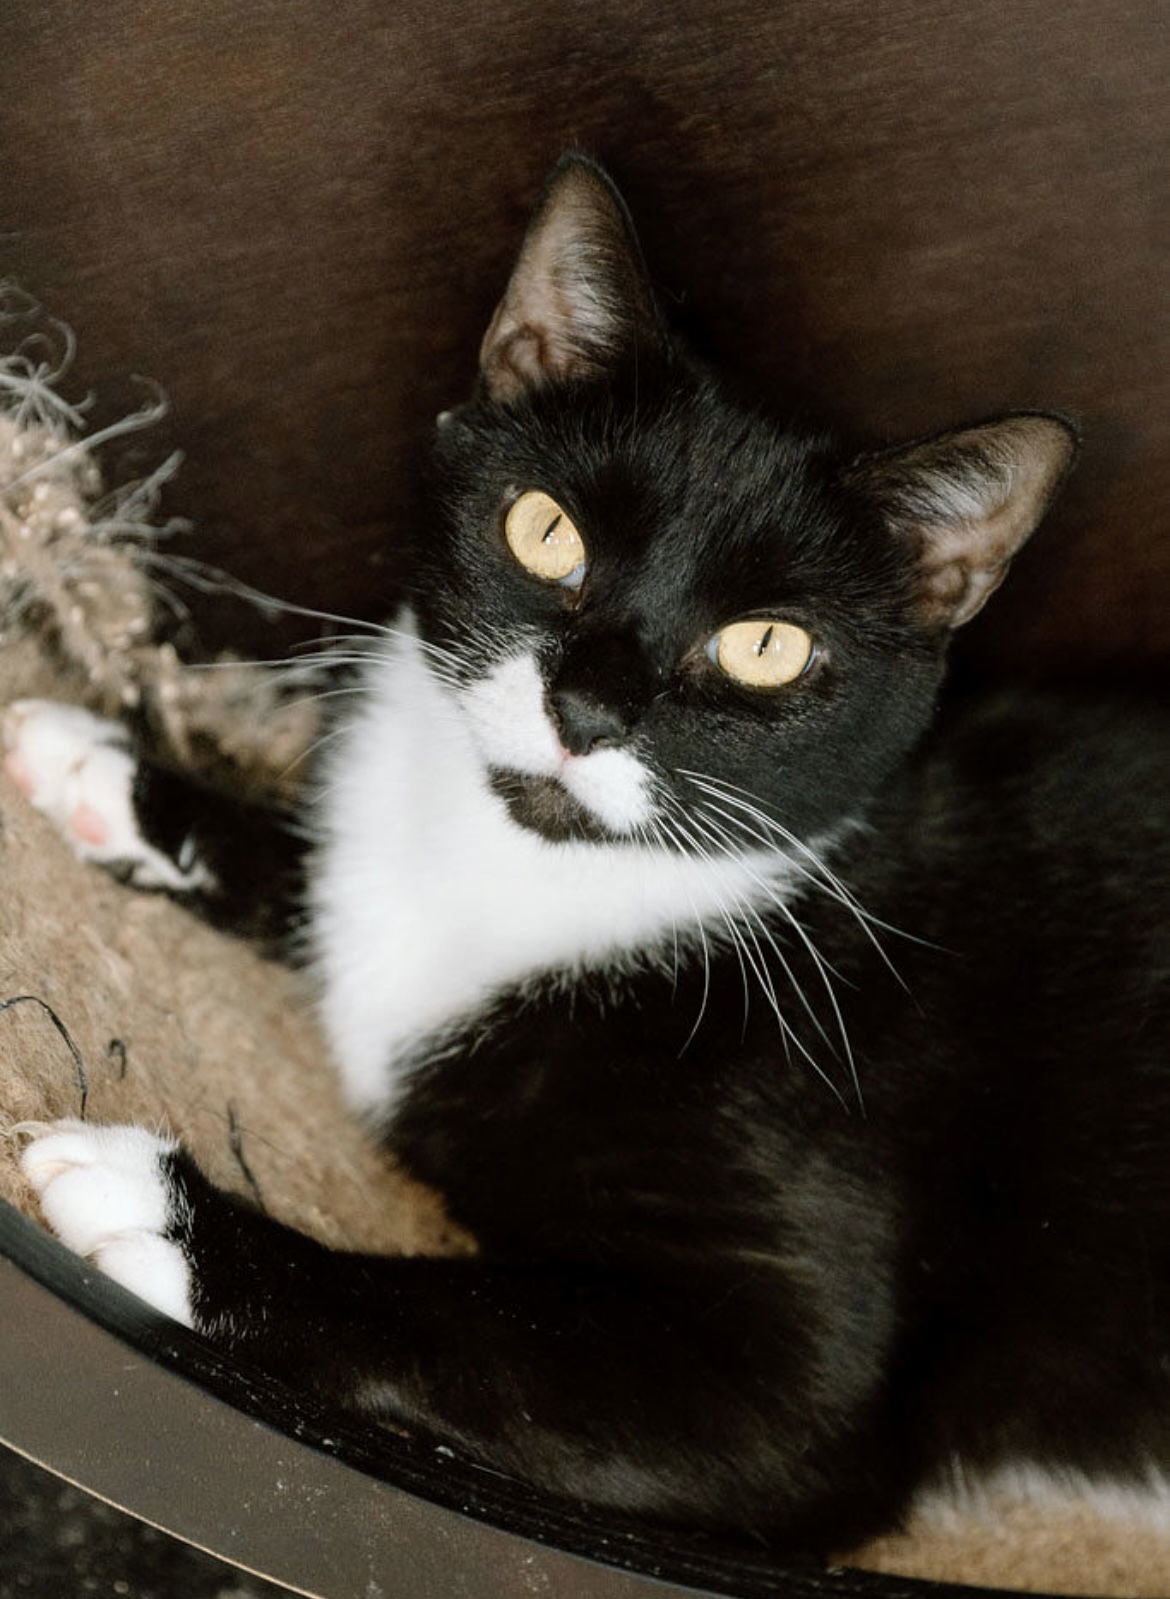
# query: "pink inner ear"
[963,563]
[578,295]
[516,360]
[953,594]
[966,502]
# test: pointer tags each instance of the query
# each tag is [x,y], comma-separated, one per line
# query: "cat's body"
[804,1084]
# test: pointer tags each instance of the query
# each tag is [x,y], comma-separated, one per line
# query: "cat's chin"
[544,805]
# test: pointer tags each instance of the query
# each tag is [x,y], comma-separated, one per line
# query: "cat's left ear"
[966,502]
[579,297]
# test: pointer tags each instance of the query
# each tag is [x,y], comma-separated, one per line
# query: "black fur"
[255,855]
[764,1278]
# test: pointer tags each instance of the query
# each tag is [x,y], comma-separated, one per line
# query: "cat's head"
[661,609]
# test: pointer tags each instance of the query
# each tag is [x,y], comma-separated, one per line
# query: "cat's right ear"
[579,297]
[965,502]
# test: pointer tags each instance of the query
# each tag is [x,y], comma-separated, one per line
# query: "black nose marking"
[584,722]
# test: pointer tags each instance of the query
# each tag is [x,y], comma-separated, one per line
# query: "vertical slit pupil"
[767,638]
[551,528]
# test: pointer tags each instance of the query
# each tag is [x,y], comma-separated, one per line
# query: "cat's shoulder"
[1034,733]
[1049,768]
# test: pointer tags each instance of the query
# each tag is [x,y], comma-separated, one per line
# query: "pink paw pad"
[17,769]
[74,767]
[89,826]
[79,770]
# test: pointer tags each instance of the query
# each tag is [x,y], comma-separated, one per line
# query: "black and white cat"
[802,1071]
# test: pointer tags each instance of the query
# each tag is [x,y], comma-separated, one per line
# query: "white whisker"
[706,950]
[731,840]
[308,753]
[758,961]
[681,841]
[824,969]
[211,580]
[773,833]
[726,843]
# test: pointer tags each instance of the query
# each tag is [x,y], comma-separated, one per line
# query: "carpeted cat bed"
[119,1006]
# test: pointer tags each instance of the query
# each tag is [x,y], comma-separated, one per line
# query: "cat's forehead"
[685,471]
[688,504]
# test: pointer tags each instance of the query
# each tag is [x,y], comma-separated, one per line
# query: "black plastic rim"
[144,1414]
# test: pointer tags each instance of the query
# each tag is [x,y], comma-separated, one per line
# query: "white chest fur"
[427,898]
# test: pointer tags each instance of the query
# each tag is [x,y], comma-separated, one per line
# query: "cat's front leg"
[235,862]
[107,1193]
[126,1199]
[684,1392]
[83,772]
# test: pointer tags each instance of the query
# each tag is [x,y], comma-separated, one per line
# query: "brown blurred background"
[895,214]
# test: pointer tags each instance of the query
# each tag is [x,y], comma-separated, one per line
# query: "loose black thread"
[78,1063]
[236,1142]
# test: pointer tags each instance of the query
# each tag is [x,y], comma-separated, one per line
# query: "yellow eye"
[544,540]
[762,654]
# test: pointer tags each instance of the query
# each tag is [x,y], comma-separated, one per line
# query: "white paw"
[79,770]
[104,1192]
